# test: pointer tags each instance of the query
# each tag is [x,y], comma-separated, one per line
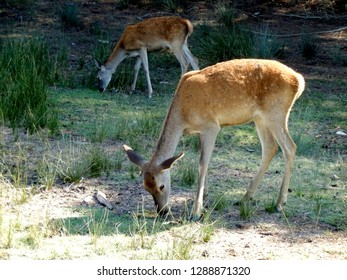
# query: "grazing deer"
[228,93]
[149,35]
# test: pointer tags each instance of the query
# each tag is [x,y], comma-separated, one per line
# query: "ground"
[267,236]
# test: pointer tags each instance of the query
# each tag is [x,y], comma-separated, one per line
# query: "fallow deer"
[225,94]
[149,35]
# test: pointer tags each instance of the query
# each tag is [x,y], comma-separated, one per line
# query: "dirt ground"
[253,240]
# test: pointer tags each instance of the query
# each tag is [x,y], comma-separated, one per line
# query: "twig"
[309,17]
[300,34]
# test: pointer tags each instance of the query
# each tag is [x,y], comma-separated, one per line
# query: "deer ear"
[98,63]
[134,157]
[166,164]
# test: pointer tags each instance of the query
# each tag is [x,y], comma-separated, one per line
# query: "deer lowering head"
[228,93]
[149,35]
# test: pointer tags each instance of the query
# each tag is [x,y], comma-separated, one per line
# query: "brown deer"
[228,93]
[149,35]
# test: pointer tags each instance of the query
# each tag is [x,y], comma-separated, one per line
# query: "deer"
[228,93]
[146,36]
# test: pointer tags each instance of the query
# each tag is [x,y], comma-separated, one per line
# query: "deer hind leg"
[144,58]
[177,50]
[136,72]
[288,149]
[269,149]
[190,57]
[207,142]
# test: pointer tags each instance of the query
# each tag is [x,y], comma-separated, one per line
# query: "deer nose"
[162,212]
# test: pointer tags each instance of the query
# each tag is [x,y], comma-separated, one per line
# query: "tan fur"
[154,34]
[228,93]
[146,36]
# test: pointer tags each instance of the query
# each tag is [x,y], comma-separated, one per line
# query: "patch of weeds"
[70,15]
[221,43]
[247,209]
[187,173]
[99,162]
[309,46]
[100,133]
[23,84]
[144,229]
[303,135]
[174,5]
[271,206]
[97,224]
[34,236]
[180,249]
[267,45]
[73,165]
[221,202]
[226,14]
[47,173]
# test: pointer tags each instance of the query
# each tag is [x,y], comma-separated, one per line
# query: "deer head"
[104,76]
[156,178]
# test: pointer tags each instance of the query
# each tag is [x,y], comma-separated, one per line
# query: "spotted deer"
[149,35]
[229,93]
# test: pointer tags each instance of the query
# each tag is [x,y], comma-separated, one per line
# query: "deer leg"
[288,149]
[190,57]
[207,142]
[144,58]
[269,149]
[136,70]
[178,52]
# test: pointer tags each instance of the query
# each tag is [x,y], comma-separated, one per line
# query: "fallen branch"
[300,34]
[310,17]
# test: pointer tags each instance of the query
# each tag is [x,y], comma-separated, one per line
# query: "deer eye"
[161,187]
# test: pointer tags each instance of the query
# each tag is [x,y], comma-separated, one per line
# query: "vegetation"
[74,146]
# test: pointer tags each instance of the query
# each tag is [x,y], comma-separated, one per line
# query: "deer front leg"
[136,72]
[207,142]
[144,58]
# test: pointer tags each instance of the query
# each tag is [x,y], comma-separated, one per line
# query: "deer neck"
[169,138]
[116,57]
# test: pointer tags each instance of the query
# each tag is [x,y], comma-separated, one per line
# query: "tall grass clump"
[24,75]
[309,46]
[70,15]
[268,45]
[221,43]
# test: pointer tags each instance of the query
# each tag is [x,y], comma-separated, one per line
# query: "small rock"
[101,197]
[335,177]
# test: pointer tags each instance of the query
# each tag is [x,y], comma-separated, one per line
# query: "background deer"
[228,93]
[149,35]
